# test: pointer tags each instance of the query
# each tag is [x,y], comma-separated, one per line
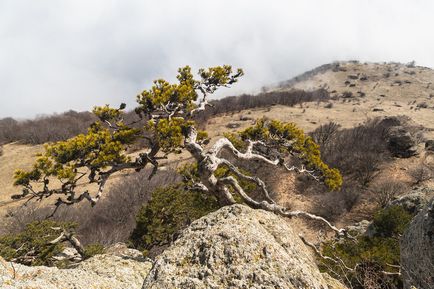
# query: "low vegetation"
[170,209]
[37,244]
[264,99]
[358,153]
[148,209]
[46,128]
[69,124]
[32,245]
[94,225]
[372,260]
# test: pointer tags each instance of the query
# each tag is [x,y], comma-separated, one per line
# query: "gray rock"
[233,125]
[429,145]
[237,247]
[391,121]
[101,271]
[401,143]
[417,250]
[358,228]
[69,254]
[414,201]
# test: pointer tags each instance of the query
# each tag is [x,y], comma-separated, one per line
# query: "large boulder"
[238,247]
[401,142]
[417,250]
[112,270]
[429,145]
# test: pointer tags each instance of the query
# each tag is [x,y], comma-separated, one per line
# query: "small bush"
[169,210]
[391,222]
[112,219]
[333,204]
[32,245]
[420,174]
[369,256]
[92,250]
[386,191]
[325,133]
[356,152]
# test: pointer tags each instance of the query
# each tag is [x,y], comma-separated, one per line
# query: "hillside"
[358,92]
[373,122]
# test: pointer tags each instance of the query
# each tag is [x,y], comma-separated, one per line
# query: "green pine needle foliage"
[169,210]
[373,253]
[34,240]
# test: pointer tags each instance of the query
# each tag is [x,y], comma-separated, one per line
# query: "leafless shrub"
[421,173]
[356,152]
[111,221]
[45,129]
[123,202]
[331,205]
[325,133]
[265,99]
[66,125]
[386,191]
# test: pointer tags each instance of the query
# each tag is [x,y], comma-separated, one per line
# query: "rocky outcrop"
[401,143]
[429,145]
[118,268]
[358,229]
[238,247]
[415,200]
[417,250]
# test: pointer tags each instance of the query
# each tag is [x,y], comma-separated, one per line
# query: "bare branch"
[256,180]
[276,208]
[248,155]
[69,237]
[301,171]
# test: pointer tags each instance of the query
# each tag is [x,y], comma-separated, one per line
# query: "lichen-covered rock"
[101,271]
[417,250]
[237,247]
[415,200]
[359,228]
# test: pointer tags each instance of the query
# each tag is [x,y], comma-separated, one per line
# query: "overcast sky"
[59,55]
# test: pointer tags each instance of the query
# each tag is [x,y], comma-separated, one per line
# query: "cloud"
[60,55]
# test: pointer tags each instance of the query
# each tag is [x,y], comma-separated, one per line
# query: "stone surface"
[401,143]
[110,270]
[417,250]
[69,254]
[359,228]
[415,200]
[238,247]
[429,145]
